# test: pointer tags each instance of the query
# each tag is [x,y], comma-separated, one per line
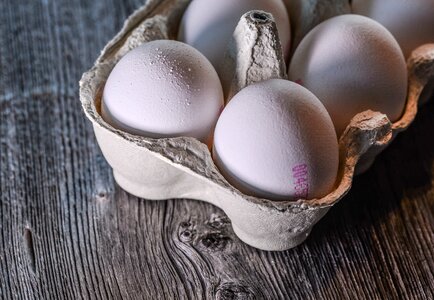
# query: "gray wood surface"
[68,232]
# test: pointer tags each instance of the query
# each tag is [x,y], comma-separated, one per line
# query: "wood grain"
[68,232]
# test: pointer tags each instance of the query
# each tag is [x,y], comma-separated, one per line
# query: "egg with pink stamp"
[275,140]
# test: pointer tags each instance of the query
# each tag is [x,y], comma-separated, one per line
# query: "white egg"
[276,140]
[410,21]
[208,25]
[163,89]
[352,64]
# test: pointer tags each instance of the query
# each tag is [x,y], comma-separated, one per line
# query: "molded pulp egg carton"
[183,167]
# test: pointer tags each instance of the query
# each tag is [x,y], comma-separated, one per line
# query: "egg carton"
[182,167]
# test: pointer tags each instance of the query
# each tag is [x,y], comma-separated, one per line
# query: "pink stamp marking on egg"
[299,81]
[301,183]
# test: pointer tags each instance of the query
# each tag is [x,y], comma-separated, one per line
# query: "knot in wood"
[218,222]
[187,231]
[232,291]
[215,241]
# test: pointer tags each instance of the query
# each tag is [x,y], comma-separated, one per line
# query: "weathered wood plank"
[68,232]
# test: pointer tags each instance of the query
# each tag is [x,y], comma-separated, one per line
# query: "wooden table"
[68,231]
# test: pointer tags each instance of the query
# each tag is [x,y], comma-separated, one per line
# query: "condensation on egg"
[163,89]
[352,64]
[276,140]
[410,21]
[208,25]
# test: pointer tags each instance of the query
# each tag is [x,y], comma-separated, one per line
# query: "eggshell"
[208,25]
[305,15]
[163,89]
[276,140]
[352,64]
[410,22]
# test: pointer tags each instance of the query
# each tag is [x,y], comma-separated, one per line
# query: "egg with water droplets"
[352,64]
[276,140]
[163,88]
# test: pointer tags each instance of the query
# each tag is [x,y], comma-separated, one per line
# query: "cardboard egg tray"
[182,167]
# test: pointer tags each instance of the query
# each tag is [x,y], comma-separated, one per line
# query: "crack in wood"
[28,243]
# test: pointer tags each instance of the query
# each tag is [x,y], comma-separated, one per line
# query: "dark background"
[68,231]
